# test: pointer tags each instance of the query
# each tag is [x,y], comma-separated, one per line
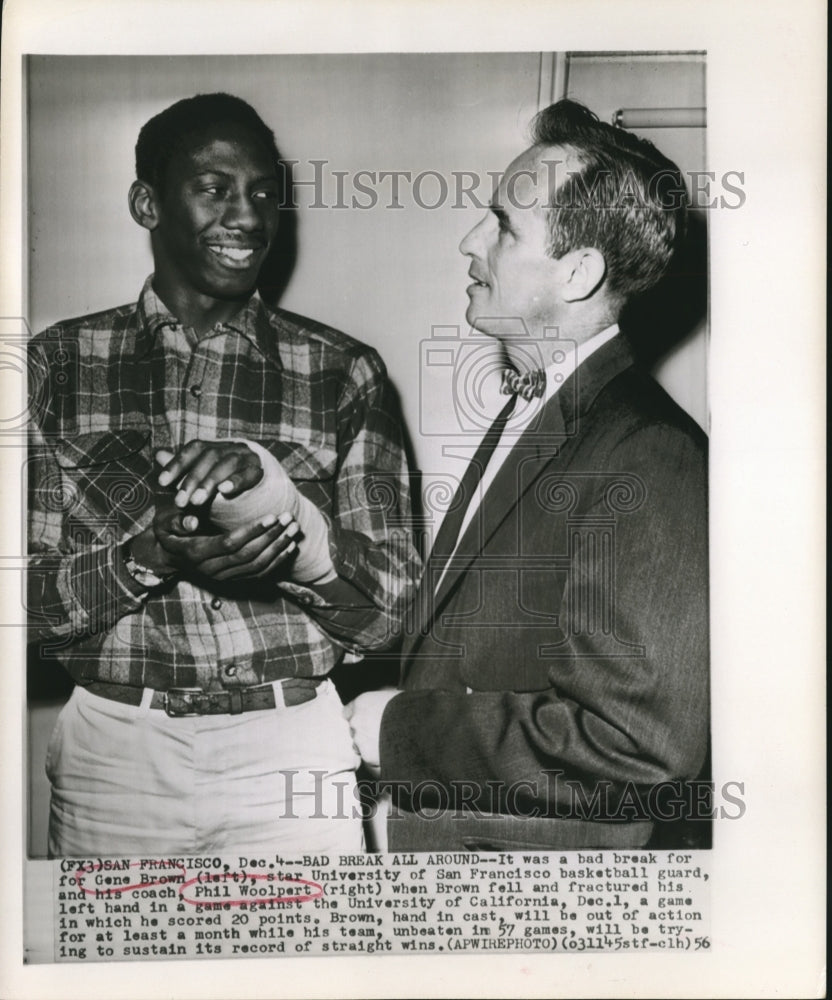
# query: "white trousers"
[131,781]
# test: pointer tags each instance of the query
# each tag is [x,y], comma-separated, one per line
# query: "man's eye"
[265,195]
[502,224]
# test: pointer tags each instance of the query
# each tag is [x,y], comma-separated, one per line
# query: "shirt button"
[231,671]
[216,604]
[196,391]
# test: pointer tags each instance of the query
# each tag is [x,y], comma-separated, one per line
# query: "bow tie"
[527,386]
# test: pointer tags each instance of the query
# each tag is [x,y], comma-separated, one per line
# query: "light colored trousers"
[131,781]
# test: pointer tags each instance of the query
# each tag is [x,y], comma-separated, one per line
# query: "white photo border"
[767,114]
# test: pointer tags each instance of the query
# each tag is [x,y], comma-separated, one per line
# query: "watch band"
[142,574]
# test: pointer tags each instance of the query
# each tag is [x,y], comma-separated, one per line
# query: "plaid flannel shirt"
[111,388]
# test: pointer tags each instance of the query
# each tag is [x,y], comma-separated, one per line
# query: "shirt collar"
[566,359]
[573,356]
[251,322]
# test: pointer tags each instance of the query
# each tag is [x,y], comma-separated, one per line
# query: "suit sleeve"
[639,718]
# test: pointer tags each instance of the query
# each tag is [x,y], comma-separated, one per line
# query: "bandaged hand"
[272,493]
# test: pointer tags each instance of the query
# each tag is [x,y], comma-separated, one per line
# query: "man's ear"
[144,205]
[583,273]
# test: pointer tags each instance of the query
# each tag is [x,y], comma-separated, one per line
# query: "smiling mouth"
[237,258]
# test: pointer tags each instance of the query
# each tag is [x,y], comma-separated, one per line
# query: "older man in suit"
[555,685]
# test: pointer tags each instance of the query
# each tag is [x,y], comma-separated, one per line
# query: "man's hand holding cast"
[176,541]
[364,716]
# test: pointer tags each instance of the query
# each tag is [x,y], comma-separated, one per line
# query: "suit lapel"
[541,445]
[536,447]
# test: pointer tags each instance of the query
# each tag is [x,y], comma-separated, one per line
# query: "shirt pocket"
[111,472]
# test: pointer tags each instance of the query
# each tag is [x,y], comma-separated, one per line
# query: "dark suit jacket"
[561,672]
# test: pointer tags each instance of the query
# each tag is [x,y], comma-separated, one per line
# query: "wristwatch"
[142,574]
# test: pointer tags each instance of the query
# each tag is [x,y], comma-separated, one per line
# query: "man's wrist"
[137,568]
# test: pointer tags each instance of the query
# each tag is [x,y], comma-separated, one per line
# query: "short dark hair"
[626,199]
[169,132]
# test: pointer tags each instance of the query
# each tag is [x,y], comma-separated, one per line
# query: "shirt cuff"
[100,588]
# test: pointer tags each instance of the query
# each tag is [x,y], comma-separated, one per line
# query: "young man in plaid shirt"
[219,513]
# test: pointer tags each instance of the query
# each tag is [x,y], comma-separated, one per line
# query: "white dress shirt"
[565,361]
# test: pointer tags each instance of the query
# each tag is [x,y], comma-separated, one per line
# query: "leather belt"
[182,702]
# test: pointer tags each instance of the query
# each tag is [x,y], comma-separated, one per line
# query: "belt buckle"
[184,708]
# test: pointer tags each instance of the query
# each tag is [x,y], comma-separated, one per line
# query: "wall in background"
[610,82]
